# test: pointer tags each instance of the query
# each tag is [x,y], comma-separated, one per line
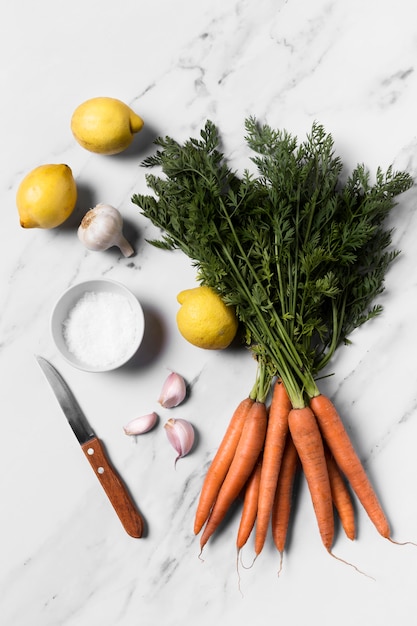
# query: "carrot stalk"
[221,463]
[348,461]
[247,452]
[309,444]
[340,495]
[274,447]
[250,507]
[283,496]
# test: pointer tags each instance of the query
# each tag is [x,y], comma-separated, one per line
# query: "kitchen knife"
[94,451]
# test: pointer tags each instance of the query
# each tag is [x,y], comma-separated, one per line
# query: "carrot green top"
[300,251]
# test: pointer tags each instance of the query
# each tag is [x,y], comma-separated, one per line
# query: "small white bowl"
[84,352]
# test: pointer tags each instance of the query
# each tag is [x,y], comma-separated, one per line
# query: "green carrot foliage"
[301,253]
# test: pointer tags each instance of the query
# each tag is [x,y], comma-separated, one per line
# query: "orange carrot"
[309,444]
[274,447]
[283,496]
[247,452]
[340,495]
[250,506]
[348,461]
[221,463]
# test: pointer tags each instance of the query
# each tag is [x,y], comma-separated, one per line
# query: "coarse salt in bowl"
[97,325]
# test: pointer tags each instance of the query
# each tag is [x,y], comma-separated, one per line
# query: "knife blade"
[94,451]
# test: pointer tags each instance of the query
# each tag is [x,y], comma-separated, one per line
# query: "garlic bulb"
[181,436]
[173,391]
[101,228]
[141,425]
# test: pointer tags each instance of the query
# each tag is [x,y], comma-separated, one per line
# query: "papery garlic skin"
[141,425]
[101,229]
[173,391]
[181,436]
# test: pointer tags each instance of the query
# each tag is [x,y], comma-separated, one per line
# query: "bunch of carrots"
[301,253]
[259,456]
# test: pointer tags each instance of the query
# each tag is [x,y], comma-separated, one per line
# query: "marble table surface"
[65,560]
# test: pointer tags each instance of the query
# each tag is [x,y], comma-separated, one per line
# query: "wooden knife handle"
[114,488]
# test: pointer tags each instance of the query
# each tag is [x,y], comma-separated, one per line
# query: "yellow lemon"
[205,320]
[105,125]
[46,197]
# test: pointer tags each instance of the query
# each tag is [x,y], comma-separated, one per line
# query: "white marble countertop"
[65,559]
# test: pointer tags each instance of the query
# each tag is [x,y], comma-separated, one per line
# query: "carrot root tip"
[281,562]
[200,554]
[401,543]
[338,558]
[248,566]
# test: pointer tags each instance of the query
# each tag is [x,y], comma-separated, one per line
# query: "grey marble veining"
[65,559]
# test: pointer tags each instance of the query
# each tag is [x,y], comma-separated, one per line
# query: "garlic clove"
[173,391]
[141,425]
[181,436]
[101,229]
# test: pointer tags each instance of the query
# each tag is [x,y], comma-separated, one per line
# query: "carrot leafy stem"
[300,252]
